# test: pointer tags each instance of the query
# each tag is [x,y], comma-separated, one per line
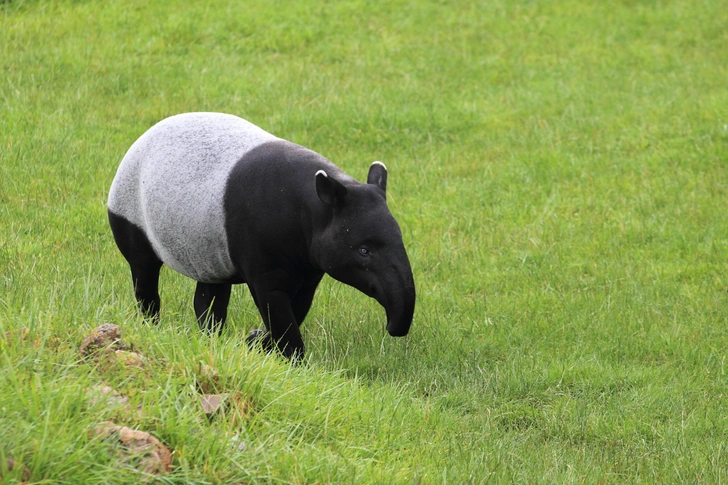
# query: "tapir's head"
[361,245]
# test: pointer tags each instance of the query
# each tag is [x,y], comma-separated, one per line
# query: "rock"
[105,338]
[110,398]
[21,336]
[211,403]
[260,337]
[138,448]
[129,359]
[237,444]
[24,475]
[108,395]
[231,406]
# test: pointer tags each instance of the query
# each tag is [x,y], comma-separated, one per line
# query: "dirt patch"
[129,359]
[11,466]
[21,337]
[105,348]
[108,396]
[137,448]
[106,338]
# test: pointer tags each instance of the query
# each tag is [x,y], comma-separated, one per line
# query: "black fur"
[144,263]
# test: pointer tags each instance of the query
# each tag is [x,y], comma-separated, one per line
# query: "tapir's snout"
[398,298]
[400,313]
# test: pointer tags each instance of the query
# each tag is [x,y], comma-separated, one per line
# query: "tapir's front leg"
[277,312]
[301,303]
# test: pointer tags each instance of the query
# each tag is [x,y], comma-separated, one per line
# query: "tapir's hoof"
[255,335]
[259,337]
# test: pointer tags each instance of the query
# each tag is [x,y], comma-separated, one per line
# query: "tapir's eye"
[364,251]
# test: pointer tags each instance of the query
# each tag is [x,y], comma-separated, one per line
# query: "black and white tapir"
[222,201]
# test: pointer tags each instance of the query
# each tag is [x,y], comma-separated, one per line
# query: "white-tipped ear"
[378,175]
[328,189]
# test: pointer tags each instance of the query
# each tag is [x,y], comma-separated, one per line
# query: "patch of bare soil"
[105,338]
[11,465]
[137,448]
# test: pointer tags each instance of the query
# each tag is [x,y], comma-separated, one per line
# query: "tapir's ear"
[378,175]
[329,190]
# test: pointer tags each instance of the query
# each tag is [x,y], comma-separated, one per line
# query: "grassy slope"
[558,171]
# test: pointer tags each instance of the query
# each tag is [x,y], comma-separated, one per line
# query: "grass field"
[559,172]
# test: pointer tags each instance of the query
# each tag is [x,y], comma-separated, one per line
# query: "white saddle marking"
[171,183]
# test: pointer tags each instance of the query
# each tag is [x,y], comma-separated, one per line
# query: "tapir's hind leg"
[143,261]
[211,302]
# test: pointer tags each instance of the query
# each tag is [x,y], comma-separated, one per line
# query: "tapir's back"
[171,184]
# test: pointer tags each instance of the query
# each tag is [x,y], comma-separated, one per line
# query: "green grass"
[559,172]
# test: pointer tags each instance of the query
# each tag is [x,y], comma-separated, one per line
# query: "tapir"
[222,201]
